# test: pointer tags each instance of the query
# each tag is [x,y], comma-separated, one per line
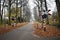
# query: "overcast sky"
[50,3]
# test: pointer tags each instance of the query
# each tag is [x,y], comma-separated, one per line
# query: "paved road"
[24,33]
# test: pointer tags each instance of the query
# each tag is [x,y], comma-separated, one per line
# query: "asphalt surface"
[24,33]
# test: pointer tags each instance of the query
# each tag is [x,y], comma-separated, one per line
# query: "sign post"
[44,16]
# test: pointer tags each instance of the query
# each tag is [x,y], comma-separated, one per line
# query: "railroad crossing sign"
[44,16]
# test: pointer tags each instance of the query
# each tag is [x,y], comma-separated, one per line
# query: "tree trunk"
[9,12]
[46,10]
[0,12]
[16,10]
[58,9]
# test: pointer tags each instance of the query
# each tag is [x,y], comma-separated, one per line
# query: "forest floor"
[6,28]
[51,31]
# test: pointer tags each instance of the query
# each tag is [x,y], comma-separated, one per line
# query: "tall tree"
[37,2]
[16,9]
[9,12]
[58,8]
[39,5]
[22,4]
[46,10]
[0,10]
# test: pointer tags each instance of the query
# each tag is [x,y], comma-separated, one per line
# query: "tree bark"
[0,12]
[16,10]
[46,10]
[9,12]
[58,9]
